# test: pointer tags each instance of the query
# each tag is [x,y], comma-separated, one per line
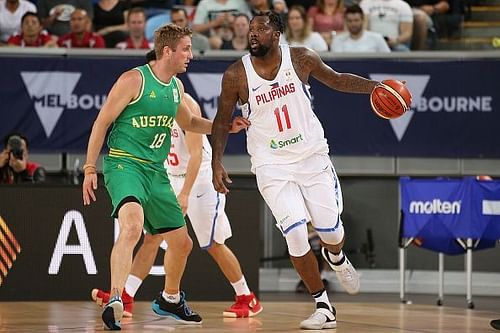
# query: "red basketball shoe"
[101,298]
[245,306]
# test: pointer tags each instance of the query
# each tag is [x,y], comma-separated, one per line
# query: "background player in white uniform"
[289,152]
[188,167]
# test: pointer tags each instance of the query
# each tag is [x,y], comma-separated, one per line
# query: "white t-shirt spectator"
[368,42]
[384,16]
[10,23]
[207,10]
[313,41]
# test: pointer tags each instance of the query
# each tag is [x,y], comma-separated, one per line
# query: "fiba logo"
[52,93]
[9,249]
[425,102]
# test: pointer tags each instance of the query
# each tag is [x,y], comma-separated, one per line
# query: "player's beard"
[261,51]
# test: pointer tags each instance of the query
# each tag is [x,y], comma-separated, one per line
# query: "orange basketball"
[390,99]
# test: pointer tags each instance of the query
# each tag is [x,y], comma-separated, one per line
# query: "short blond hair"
[169,35]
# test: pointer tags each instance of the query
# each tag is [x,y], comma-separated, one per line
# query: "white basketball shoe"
[320,319]
[346,274]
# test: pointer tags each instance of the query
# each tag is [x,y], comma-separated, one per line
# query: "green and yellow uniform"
[138,145]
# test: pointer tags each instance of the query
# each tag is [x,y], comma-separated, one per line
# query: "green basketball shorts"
[125,178]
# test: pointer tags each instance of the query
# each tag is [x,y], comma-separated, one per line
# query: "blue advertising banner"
[438,211]
[455,110]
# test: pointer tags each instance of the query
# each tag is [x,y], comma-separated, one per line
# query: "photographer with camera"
[14,164]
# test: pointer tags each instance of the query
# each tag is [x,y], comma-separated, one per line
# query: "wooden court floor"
[280,316]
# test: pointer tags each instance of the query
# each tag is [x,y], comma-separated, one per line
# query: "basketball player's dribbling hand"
[238,124]
[89,186]
[220,177]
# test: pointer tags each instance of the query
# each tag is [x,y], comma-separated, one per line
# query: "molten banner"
[437,212]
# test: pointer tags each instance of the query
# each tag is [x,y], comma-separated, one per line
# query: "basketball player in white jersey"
[289,152]
[190,174]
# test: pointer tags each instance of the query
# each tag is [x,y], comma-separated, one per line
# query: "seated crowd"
[327,25]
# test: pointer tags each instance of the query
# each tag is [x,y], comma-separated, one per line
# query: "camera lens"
[16,147]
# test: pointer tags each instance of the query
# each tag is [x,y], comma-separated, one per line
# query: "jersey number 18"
[158,141]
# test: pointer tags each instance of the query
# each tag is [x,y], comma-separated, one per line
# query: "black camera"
[16,146]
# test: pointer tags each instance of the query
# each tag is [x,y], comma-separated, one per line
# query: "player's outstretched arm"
[221,126]
[125,89]
[346,82]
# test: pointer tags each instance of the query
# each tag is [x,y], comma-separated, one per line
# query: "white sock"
[132,285]
[335,258]
[322,297]
[240,287]
[171,298]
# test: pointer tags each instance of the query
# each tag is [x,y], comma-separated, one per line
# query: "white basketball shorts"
[205,209]
[296,193]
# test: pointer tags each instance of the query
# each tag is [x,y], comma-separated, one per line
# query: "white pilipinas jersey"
[284,128]
[178,157]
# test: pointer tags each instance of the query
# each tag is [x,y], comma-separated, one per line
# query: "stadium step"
[485,13]
[465,43]
[481,29]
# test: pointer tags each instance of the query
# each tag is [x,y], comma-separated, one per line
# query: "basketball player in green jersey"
[143,104]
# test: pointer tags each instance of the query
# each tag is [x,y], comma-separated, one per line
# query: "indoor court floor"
[283,314]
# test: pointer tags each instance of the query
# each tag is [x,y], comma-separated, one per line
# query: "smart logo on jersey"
[432,104]
[9,249]
[52,93]
[284,143]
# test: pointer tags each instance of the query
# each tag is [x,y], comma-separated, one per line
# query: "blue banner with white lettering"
[455,112]
[438,212]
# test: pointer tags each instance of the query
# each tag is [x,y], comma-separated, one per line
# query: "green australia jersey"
[142,130]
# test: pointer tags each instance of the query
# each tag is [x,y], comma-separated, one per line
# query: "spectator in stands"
[153,7]
[136,23]
[241,25]
[109,20]
[15,166]
[11,12]
[56,14]
[31,34]
[298,31]
[304,3]
[356,38]
[215,17]
[327,18]
[393,19]
[423,11]
[79,36]
[277,6]
[199,42]
[257,6]
[280,7]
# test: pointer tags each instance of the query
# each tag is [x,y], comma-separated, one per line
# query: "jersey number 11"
[284,110]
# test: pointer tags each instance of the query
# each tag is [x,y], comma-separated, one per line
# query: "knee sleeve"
[332,236]
[297,241]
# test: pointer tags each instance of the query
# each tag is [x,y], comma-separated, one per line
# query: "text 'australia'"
[153,121]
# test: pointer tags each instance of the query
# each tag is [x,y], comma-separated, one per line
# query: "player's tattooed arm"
[231,81]
[231,86]
[309,63]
